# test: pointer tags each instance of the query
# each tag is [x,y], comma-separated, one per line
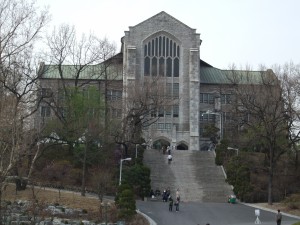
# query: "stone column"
[194,98]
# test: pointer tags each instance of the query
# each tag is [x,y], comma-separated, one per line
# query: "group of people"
[166,194]
[176,203]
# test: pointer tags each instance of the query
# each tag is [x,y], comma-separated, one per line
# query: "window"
[225,99]
[45,111]
[168,126]
[176,67]
[147,66]
[176,90]
[169,67]
[207,117]
[161,69]
[175,110]
[161,57]
[169,90]
[46,92]
[207,98]
[154,67]
[153,113]
[116,113]
[160,126]
[161,112]
[114,95]
[168,111]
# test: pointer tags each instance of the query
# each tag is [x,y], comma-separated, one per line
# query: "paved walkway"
[193,213]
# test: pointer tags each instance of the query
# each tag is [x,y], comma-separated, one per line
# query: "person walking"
[169,159]
[170,204]
[168,150]
[177,194]
[278,217]
[177,205]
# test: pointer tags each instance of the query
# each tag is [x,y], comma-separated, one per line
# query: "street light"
[144,144]
[235,149]
[218,114]
[121,162]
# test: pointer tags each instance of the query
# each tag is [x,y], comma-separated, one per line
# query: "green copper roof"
[92,72]
[211,75]
[112,68]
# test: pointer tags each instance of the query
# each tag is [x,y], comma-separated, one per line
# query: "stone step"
[193,172]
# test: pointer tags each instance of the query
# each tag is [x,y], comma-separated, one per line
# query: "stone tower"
[164,46]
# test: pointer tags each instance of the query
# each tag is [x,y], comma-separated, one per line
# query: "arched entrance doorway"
[158,144]
[182,146]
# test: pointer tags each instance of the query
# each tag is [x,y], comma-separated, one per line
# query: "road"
[193,213]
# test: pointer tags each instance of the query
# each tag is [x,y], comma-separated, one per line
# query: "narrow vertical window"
[176,67]
[164,46]
[156,46]
[175,110]
[171,47]
[159,46]
[161,66]
[154,67]
[169,90]
[147,66]
[174,49]
[152,48]
[167,47]
[149,48]
[169,67]
[161,112]
[176,90]
[145,50]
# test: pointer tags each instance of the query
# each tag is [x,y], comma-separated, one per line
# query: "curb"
[270,210]
[150,220]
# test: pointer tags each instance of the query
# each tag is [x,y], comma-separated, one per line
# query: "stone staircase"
[193,172]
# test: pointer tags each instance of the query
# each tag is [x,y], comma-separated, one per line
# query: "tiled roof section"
[211,75]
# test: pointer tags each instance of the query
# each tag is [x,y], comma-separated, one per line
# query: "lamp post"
[218,114]
[235,149]
[121,162]
[144,144]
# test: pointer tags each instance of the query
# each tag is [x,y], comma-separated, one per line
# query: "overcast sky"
[244,32]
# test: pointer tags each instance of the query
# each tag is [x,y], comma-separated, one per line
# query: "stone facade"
[163,30]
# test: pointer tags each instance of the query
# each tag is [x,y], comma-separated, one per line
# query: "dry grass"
[52,196]
[64,198]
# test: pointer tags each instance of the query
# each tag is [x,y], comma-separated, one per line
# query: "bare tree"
[76,66]
[21,25]
[289,75]
[142,102]
[264,108]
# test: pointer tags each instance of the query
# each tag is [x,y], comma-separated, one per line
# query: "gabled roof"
[161,14]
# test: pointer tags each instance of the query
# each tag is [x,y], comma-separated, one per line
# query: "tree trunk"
[270,181]
[0,206]
[84,170]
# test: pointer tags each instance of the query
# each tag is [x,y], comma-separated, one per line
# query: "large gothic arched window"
[161,57]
